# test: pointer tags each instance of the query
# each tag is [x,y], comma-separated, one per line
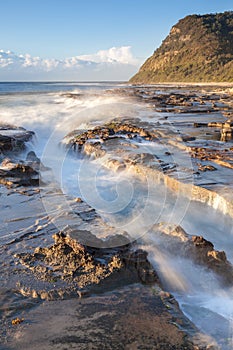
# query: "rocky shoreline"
[108,288]
[65,276]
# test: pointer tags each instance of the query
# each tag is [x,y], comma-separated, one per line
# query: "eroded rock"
[15,173]
[77,267]
[13,139]
[18,174]
[200,250]
[114,130]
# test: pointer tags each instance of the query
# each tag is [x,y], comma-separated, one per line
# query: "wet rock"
[88,215]
[202,243]
[8,144]
[223,157]
[127,318]
[83,237]
[116,241]
[203,167]
[116,165]
[95,149]
[216,255]
[226,133]
[81,267]
[19,174]
[215,125]
[142,158]
[173,230]
[33,161]
[78,200]
[7,164]
[147,275]
[138,257]
[228,124]
[200,125]
[200,250]
[31,156]
[186,138]
[13,139]
[203,252]
[139,260]
[17,321]
[112,130]
[165,295]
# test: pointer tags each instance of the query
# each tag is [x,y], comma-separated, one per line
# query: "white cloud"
[104,62]
[8,58]
[121,55]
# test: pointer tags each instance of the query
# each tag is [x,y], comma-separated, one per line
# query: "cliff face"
[197,49]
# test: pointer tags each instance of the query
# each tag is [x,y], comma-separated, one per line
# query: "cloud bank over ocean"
[116,63]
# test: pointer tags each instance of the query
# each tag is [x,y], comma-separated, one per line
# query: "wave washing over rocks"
[116,225]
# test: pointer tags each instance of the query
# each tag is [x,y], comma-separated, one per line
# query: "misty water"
[122,199]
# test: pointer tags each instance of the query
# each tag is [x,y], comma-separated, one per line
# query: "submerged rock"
[198,249]
[91,141]
[206,167]
[32,157]
[13,139]
[18,174]
[15,173]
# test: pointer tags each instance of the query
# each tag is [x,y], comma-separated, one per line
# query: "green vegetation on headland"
[197,49]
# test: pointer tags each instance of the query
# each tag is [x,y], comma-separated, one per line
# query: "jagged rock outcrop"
[72,268]
[18,174]
[197,49]
[13,138]
[200,250]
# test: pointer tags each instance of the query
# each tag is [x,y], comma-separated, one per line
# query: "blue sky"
[61,29]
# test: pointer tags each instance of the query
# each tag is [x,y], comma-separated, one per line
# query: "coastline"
[181,84]
[153,319]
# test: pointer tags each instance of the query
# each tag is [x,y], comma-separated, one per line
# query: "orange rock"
[17,321]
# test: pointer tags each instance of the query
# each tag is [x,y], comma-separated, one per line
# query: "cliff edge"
[199,48]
